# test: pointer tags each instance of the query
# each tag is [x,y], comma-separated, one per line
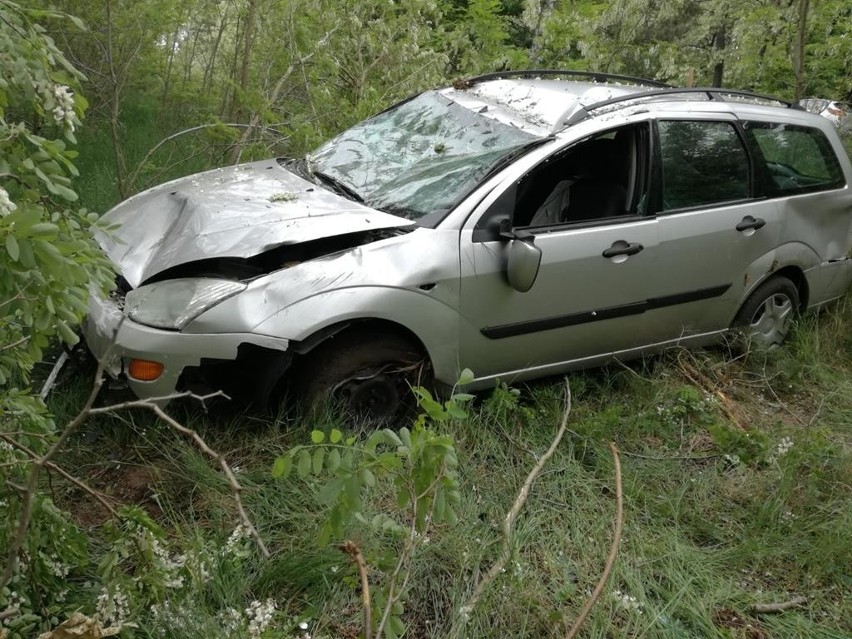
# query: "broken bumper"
[115,340]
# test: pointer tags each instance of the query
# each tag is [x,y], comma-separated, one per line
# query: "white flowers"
[112,607]
[627,602]
[303,626]
[55,565]
[6,207]
[236,542]
[783,447]
[259,615]
[63,112]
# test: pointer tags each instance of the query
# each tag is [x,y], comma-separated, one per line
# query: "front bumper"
[114,340]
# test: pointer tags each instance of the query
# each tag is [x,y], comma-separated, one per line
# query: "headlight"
[174,303]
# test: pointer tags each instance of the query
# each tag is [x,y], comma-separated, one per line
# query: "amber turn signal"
[144,371]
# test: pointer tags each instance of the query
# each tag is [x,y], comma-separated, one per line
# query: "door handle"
[750,222]
[622,248]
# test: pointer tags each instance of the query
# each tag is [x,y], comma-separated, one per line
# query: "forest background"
[299,71]
[736,474]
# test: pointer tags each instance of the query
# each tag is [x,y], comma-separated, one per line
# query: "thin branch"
[141,165]
[54,373]
[613,550]
[512,515]
[394,593]
[236,487]
[147,403]
[16,343]
[767,608]
[32,482]
[28,492]
[671,457]
[53,466]
[354,552]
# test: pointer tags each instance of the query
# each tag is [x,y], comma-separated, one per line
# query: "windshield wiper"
[338,185]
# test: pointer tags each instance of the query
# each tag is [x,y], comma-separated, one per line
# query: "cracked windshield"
[419,157]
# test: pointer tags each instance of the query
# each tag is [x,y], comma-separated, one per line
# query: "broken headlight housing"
[174,303]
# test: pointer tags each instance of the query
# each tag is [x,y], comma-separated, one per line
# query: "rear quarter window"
[797,159]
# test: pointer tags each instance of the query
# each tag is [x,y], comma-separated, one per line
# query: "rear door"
[713,224]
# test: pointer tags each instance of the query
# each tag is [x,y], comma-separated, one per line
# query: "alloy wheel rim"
[771,321]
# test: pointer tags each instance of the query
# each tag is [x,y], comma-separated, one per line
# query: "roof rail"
[538,73]
[712,93]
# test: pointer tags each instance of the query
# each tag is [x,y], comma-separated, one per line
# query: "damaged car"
[519,224]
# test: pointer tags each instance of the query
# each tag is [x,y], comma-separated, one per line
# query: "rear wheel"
[367,376]
[767,315]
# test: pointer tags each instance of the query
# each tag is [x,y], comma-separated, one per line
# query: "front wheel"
[368,376]
[767,315]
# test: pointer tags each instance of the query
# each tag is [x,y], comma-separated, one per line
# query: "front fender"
[435,323]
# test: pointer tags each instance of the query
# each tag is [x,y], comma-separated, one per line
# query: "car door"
[589,295]
[713,225]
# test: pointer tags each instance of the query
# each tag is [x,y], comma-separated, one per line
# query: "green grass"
[706,536]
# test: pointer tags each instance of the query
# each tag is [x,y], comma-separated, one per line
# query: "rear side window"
[799,159]
[703,163]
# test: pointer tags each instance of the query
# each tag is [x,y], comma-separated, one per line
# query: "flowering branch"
[29,491]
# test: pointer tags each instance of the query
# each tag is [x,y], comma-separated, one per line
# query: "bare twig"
[9,612]
[354,552]
[671,457]
[512,515]
[767,608]
[394,592]
[701,381]
[54,373]
[141,164]
[229,474]
[613,550]
[15,344]
[29,491]
[52,466]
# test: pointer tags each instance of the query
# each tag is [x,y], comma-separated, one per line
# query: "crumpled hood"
[237,211]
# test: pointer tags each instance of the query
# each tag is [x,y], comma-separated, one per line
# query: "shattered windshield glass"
[419,157]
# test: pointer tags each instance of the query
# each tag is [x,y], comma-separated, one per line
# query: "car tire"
[764,321]
[368,377]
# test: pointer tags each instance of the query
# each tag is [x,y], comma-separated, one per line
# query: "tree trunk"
[169,64]
[799,53]
[720,42]
[228,78]
[211,64]
[242,80]
[545,8]
[115,86]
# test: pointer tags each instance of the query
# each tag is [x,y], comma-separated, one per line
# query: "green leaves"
[417,464]
[282,467]
[303,463]
[12,248]
[50,261]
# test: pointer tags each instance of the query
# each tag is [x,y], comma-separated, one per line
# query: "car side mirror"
[524,261]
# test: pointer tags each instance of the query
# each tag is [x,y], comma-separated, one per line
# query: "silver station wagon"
[518,224]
